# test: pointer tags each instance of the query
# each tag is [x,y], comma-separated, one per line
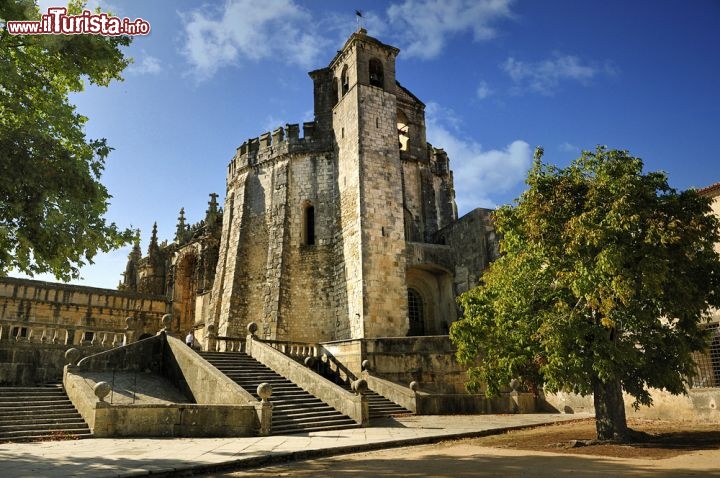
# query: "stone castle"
[349,231]
[341,244]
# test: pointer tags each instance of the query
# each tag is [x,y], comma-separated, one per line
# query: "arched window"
[403,129]
[377,76]
[415,313]
[344,81]
[309,225]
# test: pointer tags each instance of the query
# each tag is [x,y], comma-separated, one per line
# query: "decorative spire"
[153,248]
[212,212]
[181,229]
[136,252]
[129,281]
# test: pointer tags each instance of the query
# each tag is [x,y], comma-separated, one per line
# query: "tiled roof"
[712,190]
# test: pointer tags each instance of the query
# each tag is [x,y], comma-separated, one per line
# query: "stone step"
[39,424]
[301,413]
[49,416]
[294,409]
[31,398]
[31,407]
[39,413]
[28,435]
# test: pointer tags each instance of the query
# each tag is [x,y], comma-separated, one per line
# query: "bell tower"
[364,123]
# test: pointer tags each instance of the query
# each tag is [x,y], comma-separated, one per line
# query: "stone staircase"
[381,407]
[39,413]
[294,409]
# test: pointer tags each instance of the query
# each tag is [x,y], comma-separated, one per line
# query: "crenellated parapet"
[281,141]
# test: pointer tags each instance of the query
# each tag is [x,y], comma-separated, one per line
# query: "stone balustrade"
[226,344]
[297,350]
[47,333]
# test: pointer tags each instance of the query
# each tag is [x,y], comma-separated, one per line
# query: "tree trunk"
[610,418]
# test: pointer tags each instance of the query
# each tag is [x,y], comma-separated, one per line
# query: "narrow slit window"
[309,225]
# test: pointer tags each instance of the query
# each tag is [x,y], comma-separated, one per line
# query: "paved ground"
[463,459]
[184,456]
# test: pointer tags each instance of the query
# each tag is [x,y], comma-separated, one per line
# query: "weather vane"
[359,18]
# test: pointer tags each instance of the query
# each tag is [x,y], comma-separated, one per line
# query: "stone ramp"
[39,413]
[294,409]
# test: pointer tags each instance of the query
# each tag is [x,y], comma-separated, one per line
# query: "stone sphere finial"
[130,323]
[414,386]
[252,327]
[72,356]
[359,386]
[211,329]
[365,365]
[309,361]
[102,389]
[264,391]
[166,321]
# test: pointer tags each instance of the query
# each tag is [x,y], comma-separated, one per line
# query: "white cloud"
[478,174]
[483,90]
[569,148]
[427,24]
[149,65]
[242,31]
[545,76]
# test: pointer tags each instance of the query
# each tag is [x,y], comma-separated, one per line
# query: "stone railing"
[296,350]
[44,333]
[227,344]
[353,404]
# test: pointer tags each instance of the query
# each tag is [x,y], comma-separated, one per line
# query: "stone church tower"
[350,231]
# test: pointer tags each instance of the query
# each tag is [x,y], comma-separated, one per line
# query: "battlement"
[269,145]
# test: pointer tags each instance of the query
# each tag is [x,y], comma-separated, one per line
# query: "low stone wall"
[222,407]
[27,364]
[175,420]
[699,405]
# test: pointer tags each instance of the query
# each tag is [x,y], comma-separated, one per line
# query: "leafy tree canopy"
[605,278]
[51,201]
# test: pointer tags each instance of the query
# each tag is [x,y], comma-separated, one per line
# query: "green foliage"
[606,275]
[51,201]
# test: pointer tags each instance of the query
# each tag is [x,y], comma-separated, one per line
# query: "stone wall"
[429,361]
[43,308]
[473,245]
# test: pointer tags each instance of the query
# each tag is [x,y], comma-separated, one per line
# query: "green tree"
[605,278]
[51,200]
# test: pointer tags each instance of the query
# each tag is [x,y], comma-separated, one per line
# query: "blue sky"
[499,77]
